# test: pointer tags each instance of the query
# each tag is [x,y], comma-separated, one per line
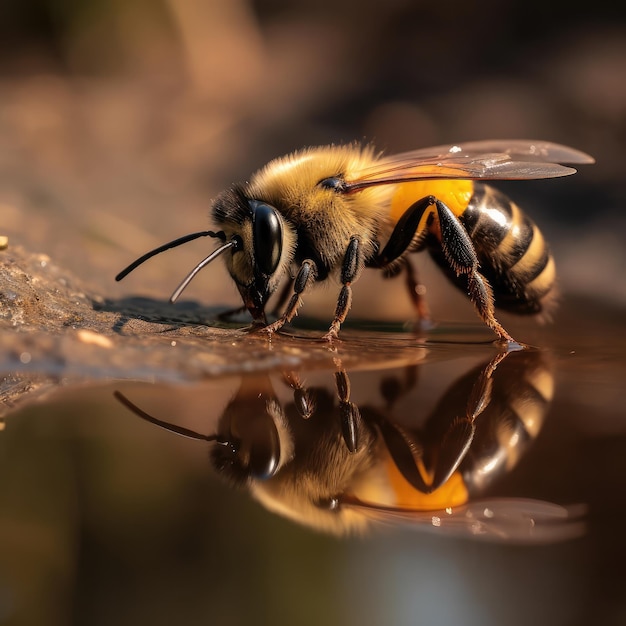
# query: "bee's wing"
[510,520]
[494,160]
[520,149]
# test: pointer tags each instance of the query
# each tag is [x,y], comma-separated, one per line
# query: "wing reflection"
[321,460]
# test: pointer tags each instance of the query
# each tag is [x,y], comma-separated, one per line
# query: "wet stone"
[55,330]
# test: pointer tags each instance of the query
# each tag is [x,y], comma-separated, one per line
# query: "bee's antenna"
[179,430]
[233,243]
[172,244]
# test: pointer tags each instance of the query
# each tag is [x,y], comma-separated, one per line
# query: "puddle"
[437,474]
[342,451]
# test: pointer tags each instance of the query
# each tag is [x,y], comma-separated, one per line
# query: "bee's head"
[257,243]
[262,246]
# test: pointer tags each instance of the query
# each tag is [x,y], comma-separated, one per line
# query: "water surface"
[106,518]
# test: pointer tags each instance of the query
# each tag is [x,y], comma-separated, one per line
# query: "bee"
[336,466]
[332,211]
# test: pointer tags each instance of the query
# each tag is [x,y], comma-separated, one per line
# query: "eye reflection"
[328,462]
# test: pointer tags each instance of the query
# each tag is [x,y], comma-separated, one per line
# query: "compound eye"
[267,235]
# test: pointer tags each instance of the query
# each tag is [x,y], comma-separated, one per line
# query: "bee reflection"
[325,462]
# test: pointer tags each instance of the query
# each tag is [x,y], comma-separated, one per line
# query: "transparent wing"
[520,149]
[509,520]
[494,160]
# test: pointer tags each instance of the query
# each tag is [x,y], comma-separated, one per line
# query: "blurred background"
[120,120]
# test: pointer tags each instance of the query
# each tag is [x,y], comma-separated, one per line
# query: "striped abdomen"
[511,250]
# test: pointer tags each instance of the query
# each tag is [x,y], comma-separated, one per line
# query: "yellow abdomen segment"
[456,194]
[452,493]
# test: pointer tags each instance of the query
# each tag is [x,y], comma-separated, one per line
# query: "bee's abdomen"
[513,255]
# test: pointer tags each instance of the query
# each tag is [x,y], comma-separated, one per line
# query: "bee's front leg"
[305,277]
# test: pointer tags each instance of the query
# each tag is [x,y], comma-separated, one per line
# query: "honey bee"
[333,211]
[328,463]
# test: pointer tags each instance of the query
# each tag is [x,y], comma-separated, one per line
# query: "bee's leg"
[350,269]
[403,239]
[459,251]
[415,288]
[417,291]
[407,453]
[306,276]
[403,234]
